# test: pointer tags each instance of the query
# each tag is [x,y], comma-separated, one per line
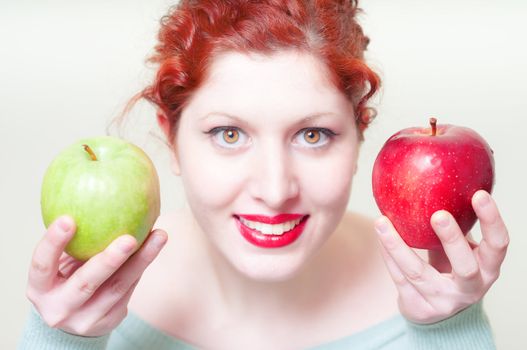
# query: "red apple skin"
[416,174]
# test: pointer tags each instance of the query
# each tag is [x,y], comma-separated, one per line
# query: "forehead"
[285,83]
[295,68]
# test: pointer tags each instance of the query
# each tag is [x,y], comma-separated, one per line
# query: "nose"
[273,177]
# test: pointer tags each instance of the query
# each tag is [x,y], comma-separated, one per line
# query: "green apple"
[108,186]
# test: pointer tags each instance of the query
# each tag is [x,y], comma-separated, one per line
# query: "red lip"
[272,241]
[277,219]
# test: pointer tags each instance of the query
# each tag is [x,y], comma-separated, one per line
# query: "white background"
[68,67]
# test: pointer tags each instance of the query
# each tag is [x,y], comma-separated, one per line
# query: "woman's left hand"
[428,293]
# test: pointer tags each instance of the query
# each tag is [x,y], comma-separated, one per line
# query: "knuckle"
[448,310]
[118,286]
[123,313]
[475,298]
[40,266]
[85,328]
[81,328]
[470,273]
[86,287]
[496,275]
[498,248]
[32,296]
[501,245]
[400,280]
[422,317]
[53,319]
[492,277]
[415,274]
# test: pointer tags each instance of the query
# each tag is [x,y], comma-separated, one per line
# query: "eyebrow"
[307,118]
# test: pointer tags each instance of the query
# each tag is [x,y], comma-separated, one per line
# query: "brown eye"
[231,135]
[312,136]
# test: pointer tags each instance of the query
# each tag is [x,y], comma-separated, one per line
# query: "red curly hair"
[195,31]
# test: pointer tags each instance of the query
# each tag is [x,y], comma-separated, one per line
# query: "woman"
[263,104]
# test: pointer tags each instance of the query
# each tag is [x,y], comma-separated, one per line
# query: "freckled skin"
[416,174]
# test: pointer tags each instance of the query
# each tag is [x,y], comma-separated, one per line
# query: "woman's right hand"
[90,298]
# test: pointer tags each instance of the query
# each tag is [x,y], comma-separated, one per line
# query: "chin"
[269,267]
[278,265]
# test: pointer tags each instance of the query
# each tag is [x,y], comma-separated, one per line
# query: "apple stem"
[90,152]
[433,124]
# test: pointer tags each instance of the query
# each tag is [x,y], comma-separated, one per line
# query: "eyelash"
[327,132]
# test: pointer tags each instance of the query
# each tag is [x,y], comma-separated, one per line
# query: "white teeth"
[268,229]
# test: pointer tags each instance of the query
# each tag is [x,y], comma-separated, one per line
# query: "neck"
[244,298]
[234,296]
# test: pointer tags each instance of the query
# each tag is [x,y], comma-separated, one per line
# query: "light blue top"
[467,330]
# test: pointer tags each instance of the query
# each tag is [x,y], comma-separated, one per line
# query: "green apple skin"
[114,195]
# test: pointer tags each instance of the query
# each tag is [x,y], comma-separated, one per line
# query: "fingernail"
[64,224]
[381,227]
[159,240]
[483,199]
[126,244]
[442,219]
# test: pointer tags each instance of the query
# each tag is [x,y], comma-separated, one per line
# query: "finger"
[410,298]
[117,286]
[465,267]
[89,277]
[415,269]
[68,265]
[112,318]
[45,260]
[397,276]
[495,236]
[90,322]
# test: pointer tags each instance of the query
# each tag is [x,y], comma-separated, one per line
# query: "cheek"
[327,181]
[210,179]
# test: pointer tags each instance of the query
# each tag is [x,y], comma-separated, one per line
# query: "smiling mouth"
[276,235]
[271,229]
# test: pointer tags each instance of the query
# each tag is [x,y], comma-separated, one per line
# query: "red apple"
[421,170]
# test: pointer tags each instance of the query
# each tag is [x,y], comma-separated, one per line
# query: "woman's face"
[267,135]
